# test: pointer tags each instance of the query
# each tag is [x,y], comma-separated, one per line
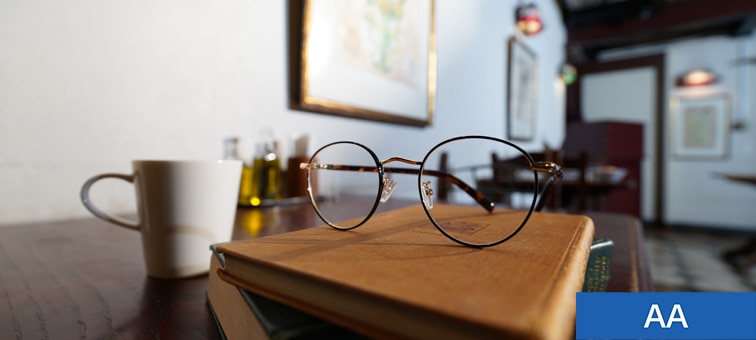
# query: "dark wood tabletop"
[86,278]
[743,256]
[742,178]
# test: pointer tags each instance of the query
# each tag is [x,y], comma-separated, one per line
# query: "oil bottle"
[267,180]
[231,151]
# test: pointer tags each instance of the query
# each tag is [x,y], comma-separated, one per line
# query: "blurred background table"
[86,278]
[744,256]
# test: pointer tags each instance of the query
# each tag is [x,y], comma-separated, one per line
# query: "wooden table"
[742,178]
[86,278]
[744,256]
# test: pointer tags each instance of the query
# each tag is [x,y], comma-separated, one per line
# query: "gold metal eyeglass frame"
[387,185]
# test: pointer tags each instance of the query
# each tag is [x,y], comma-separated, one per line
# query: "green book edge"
[598,269]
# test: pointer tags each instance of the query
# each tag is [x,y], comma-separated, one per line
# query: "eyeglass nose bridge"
[389,184]
[401,160]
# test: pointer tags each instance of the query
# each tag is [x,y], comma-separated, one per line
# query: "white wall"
[87,86]
[696,193]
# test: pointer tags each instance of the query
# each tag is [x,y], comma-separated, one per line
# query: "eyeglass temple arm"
[556,175]
[475,194]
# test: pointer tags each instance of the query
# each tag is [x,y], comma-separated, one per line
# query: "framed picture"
[700,126]
[372,60]
[521,90]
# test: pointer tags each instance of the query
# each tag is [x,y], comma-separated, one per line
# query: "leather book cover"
[397,276]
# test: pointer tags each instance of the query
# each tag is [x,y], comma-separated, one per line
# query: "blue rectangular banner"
[666,316]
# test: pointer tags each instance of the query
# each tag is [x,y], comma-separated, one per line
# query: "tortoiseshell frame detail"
[475,194]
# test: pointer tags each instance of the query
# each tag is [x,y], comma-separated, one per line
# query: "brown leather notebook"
[397,276]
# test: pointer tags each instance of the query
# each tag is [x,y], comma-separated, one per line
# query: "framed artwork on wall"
[700,126]
[364,59]
[521,90]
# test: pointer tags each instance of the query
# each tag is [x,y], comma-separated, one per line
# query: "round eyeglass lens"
[482,172]
[340,172]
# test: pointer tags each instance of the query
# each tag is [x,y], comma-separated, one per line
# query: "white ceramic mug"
[183,206]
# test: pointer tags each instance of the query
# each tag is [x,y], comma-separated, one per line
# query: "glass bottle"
[267,178]
[231,151]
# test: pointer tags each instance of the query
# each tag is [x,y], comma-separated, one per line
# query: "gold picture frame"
[366,60]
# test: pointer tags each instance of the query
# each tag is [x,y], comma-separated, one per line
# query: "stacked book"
[397,277]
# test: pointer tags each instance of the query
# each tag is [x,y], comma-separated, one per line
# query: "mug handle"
[99,213]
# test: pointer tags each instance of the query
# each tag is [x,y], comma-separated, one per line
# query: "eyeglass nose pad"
[427,195]
[388,188]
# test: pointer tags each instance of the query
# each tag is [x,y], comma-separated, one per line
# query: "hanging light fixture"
[528,19]
[697,77]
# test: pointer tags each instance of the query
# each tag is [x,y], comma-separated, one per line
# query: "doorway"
[628,90]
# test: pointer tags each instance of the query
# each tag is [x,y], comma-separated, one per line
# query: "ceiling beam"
[656,23]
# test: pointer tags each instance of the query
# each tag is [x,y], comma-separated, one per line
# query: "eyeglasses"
[459,171]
